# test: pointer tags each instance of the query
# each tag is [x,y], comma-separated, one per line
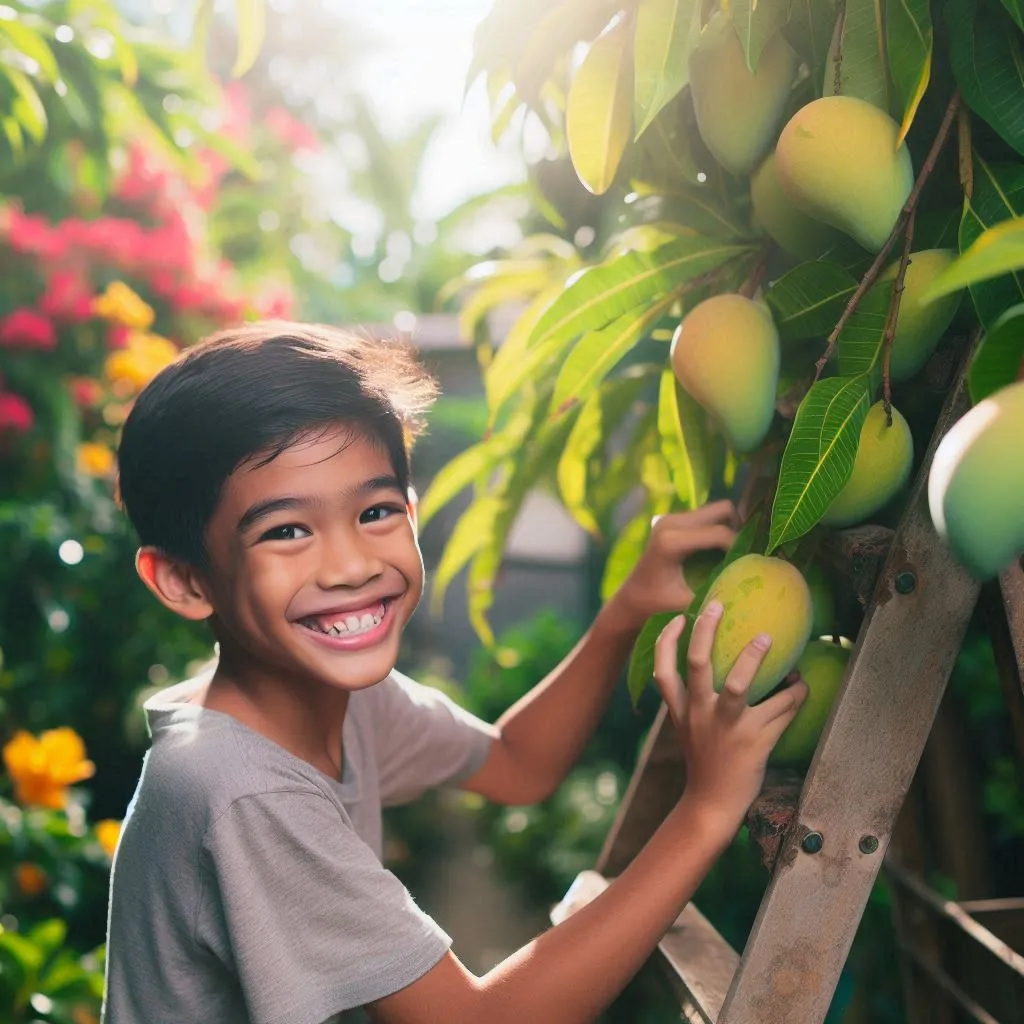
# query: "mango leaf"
[469,536]
[641,662]
[860,342]
[665,158]
[809,31]
[908,41]
[998,197]
[625,552]
[600,294]
[808,301]
[1000,357]
[661,54]
[995,252]
[30,43]
[819,455]
[685,442]
[597,353]
[987,57]
[26,106]
[756,21]
[1015,8]
[857,43]
[598,111]
[600,414]
[251,17]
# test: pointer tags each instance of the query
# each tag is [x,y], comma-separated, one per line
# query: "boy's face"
[314,563]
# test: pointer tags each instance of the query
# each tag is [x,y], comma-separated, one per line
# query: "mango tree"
[790,219]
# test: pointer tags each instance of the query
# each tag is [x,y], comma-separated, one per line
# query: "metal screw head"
[868,844]
[905,581]
[813,842]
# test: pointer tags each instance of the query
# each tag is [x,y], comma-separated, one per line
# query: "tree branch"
[756,275]
[908,207]
[893,316]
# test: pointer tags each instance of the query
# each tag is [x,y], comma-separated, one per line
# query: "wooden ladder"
[826,836]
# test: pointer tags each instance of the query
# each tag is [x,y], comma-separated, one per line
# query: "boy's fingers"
[732,701]
[714,512]
[780,709]
[678,542]
[666,672]
[699,677]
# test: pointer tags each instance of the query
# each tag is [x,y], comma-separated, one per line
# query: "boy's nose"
[348,564]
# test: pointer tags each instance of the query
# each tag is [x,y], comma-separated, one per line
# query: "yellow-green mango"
[823,601]
[822,667]
[725,354]
[772,211]
[738,111]
[760,595]
[919,326]
[976,484]
[838,161]
[884,457]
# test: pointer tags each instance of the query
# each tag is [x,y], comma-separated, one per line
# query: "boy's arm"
[572,972]
[544,733]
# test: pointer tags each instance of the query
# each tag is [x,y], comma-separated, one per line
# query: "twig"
[837,56]
[893,316]
[756,275]
[908,207]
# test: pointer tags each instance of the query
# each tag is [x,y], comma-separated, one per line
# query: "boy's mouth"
[350,623]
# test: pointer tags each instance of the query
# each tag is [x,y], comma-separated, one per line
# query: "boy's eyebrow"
[261,509]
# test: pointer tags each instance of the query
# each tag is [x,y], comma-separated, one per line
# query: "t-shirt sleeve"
[314,924]
[425,739]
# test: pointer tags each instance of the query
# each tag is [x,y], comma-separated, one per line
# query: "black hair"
[245,395]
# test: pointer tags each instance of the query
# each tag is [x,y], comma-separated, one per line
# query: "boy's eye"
[378,513]
[290,531]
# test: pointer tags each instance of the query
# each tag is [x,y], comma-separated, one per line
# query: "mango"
[884,458]
[838,161]
[976,484]
[738,111]
[919,327]
[822,667]
[725,354]
[760,595]
[823,601]
[773,212]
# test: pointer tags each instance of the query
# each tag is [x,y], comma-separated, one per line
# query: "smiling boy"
[267,475]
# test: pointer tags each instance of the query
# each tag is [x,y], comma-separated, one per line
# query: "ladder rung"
[699,962]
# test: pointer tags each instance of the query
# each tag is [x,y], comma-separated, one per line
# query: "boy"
[267,475]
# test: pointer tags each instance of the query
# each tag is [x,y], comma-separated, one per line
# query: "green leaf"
[998,196]
[598,110]
[858,42]
[995,252]
[596,354]
[1000,357]
[661,55]
[1015,8]
[469,536]
[30,43]
[819,455]
[808,301]
[641,662]
[685,442]
[756,21]
[908,40]
[860,342]
[27,106]
[809,32]
[625,552]
[986,55]
[602,293]
[598,417]
[251,17]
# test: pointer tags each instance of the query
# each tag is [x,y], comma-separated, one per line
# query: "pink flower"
[289,130]
[15,413]
[68,296]
[25,328]
[34,236]
[85,391]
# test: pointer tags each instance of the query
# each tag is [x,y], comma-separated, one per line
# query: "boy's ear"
[412,505]
[175,584]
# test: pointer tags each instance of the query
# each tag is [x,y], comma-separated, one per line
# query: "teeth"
[350,625]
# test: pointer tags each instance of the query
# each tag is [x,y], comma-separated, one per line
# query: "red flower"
[15,413]
[25,328]
[33,236]
[68,296]
[117,336]
[85,391]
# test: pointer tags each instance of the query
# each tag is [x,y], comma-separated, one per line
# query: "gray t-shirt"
[247,886]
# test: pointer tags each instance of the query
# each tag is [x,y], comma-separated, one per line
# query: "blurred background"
[148,197]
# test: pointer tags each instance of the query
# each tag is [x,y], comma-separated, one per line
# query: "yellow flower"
[142,358]
[108,832]
[42,769]
[120,304]
[31,879]
[94,459]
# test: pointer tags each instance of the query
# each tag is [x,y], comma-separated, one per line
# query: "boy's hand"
[725,742]
[658,581]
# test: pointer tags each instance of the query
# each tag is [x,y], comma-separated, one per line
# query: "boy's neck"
[305,721]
